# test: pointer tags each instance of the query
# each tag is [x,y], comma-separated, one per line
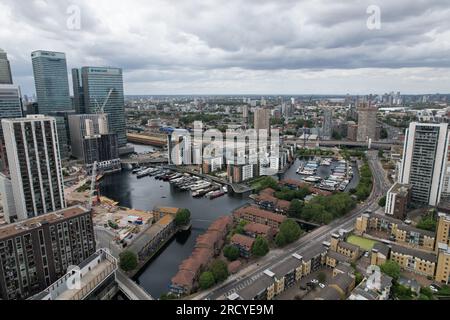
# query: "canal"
[146,193]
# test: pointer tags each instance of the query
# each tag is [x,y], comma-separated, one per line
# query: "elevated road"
[308,242]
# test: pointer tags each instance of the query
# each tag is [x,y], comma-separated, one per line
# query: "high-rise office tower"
[85,125]
[78,94]
[424,161]
[103,93]
[327,126]
[36,252]
[5,69]
[262,119]
[367,122]
[50,78]
[34,164]
[10,107]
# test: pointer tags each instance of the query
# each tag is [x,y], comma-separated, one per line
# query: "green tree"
[128,260]
[391,268]
[383,133]
[167,296]
[219,270]
[206,280]
[427,222]
[289,232]
[295,208]
[322,277]
[231,252]
[260,247]
[183,217]
[382,202]
[280,240]
[265,182]
[336,135]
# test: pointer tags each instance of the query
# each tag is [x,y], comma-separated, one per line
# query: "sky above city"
[239,46]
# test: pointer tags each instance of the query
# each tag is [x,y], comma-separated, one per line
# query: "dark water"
[147,193]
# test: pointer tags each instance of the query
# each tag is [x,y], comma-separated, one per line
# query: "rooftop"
[242,240]
[258,228]
[32,223]
[257,287]
[255,211]
[414,253]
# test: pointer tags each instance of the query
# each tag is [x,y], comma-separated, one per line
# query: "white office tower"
[35,165]
[424,161]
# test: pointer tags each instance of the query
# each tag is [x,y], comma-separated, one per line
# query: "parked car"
[321,285]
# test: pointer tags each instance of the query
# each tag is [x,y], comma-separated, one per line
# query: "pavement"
[306,243]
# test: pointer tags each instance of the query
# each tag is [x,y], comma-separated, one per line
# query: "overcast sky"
[239,46]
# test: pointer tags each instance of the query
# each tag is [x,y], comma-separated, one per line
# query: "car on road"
[434,288]
[315,281]
[321,285]
[366,254]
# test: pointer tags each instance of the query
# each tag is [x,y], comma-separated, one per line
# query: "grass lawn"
[365,244]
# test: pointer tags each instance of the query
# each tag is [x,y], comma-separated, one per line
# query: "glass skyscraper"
[5,69]
[51,81]
[103,89]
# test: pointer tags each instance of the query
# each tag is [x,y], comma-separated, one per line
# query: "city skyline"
[172,49]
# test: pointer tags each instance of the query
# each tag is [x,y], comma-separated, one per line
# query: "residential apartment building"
[243,243]
[443,229]
[262,119]
[36,252]
[397,231]
[254,214]
[417,261]
[35,166]
[93,279]
[424,161]
[397,200]
[367,123]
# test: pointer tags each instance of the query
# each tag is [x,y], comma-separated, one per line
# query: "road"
[307,242]
[131,289]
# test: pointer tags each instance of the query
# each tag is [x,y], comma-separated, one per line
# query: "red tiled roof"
[242,240]
[183,278]
[257,228]
[255,211]
[267,191]
[221,224]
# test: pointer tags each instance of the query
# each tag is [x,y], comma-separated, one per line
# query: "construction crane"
[93,185]
[101,109]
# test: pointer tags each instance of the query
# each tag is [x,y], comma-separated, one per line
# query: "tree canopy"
[219,270]
[260,247]
[391,268]
[183,217]
[231,252]
[289,232]
[128,260]
[206,280]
